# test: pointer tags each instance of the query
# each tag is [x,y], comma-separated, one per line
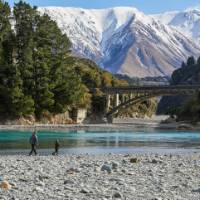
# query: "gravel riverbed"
[131,176]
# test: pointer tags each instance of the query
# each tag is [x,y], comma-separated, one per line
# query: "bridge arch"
[147,93]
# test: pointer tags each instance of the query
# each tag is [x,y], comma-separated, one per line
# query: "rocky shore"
[104,127]
[125,124]
[131,176]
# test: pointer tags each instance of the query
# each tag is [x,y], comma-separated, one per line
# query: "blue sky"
[147,6]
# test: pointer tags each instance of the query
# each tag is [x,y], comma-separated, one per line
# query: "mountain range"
[126,41]
[187,22]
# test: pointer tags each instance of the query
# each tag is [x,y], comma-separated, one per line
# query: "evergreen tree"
[41,93]
[12,100]
[24,16]
[49,54]
[56,85]
[5,26]
[191,61]
[198,61]
[70,93]
[183,65]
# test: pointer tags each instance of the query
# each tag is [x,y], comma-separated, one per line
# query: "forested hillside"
[38,74]
[186,107]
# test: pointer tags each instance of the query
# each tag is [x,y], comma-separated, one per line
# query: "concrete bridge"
[123,97]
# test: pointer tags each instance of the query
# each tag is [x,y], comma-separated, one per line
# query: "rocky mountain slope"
[124,40]
[187,22]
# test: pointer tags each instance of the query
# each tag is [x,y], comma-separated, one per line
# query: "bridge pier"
[123,98]
[109,119]
[117,99]
[108,103]
[114,104]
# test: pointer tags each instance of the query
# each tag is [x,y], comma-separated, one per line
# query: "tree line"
[189,107]
[188,69]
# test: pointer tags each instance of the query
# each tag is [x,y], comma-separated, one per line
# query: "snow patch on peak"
[99,17]
[165,17]
[91,29]
[187,22]
[193,8]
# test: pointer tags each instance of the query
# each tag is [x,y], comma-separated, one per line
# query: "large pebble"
[115,165]
[117,195]
[134,160]
[106,168]
[5,185]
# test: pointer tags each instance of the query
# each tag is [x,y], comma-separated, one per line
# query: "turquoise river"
[17,142]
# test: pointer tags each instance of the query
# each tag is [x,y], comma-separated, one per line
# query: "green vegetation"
[38,74]
[144,81]
[144,109]
[186,108]
[188,73]
[190,110]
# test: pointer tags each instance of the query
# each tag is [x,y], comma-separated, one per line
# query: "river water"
[78,142]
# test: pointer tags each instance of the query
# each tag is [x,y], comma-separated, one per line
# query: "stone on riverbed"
[115,165]
[84,191]
[72,171]
[68,182]
[5,185]
[40,183]
[117,195]
[39,189]
[175,178]
[156,161]
[134,160]
[106,168]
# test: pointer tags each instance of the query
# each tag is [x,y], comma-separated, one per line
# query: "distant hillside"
[160,80]
[188,74]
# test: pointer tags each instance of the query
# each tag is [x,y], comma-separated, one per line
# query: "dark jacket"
[57,145]
[33,140]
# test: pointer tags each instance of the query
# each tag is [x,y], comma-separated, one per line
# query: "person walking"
[34,142]
[57,145]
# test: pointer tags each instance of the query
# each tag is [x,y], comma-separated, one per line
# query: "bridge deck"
[143,89]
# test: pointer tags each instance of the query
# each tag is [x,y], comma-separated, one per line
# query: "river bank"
[118,125]
[130,176]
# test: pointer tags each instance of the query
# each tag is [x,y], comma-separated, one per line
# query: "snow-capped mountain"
[124,40]
[187,22]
